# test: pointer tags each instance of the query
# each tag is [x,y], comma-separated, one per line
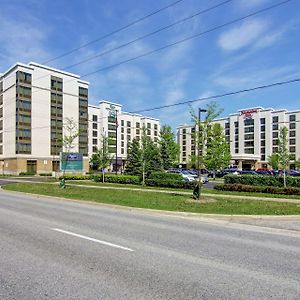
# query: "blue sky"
[257,51]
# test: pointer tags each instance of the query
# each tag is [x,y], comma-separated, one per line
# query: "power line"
[187,39]
[280,83]
[174,44]
[147,35]
[114,31]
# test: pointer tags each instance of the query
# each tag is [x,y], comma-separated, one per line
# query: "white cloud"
[255,76]
[22,40]
[243,35]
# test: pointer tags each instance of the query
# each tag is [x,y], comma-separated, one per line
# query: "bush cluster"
[75,177]
[162,179]
[45,174]
[259,180]
[26,173]
[258,189]
[122,179]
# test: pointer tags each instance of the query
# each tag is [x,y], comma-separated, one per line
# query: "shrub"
[75,177]
[259,180]
[171,183]
[165,176]
[26,173]
[122,179]
[258,189]
[45,174]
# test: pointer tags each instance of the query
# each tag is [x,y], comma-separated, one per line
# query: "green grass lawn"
[160,201]
[204,190]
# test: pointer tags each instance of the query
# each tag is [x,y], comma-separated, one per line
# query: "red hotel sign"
[247,114]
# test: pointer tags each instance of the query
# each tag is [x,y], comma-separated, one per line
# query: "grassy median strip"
[160,201]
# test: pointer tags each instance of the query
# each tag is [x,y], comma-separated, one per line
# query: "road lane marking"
[92,239]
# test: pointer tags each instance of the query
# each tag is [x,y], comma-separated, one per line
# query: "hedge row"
[122,179]
[258,189]
[159,179]
[258,180]
[171,183]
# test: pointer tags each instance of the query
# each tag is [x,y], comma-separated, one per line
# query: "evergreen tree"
[283,152]
[153,157]
[217,153]
[169,149]
[134,159]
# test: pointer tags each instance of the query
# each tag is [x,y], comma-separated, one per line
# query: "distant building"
[102,121]
[252,134]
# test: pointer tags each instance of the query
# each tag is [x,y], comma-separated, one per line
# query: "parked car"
[247,172]
[293,173]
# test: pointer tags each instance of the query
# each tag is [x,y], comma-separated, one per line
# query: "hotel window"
[148,132]
[137,125]
[249,137]
[128,130]
[95,134]
[275,119]
[122,144]
[249,129]
[249,144]
[263,128]
[94,141]
[292,141]
[155,133]
[236,131]
[263,136]
[236,144]
[275,135]
[128,124]
[292,133]
[236,138]
[122,122]
[263,150]
[236,124]
[183,136]
[128,137]
[122,150]
[95,125]
[275,149]
[263,157]
[155,126]
[292,125]
[148,125]
[292,118]
[293,149]
[227,131]
[183,131]
[95,118]
[249,150]
[275,126]
[227,125]
[137,131]
[95,149]
[122,129]
[249,122]
[293,157]
[184,148]
[262,121]
[122,136]
[263,143]
[275,142]
[236,150]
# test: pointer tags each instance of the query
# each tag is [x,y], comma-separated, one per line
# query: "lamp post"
[200,151]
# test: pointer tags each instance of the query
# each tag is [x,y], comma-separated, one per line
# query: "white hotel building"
[102,122]
[35,100]
[252,134]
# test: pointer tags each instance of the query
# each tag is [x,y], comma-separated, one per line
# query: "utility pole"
[200,151]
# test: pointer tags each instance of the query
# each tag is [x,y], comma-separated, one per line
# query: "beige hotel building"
[252,134]
[35,101]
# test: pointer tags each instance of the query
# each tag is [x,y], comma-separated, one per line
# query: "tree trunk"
[284,179]
[214,175]
[102,175]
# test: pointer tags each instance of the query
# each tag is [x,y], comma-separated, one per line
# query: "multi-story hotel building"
[34,101]
[253,136]
[108,119]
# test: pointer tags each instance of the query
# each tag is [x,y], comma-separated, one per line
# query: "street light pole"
[199,145]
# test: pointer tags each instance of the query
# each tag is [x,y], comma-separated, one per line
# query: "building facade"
[34,102]
[252,134]
[108,119]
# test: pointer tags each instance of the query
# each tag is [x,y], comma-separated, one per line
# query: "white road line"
[92,239]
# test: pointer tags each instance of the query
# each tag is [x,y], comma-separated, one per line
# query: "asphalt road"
[55,249]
